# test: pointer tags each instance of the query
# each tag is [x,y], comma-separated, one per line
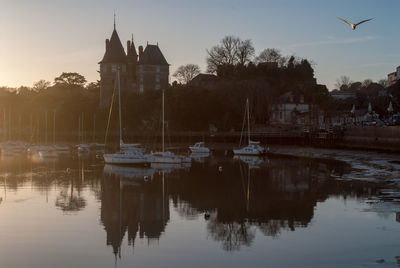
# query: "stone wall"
[373,137]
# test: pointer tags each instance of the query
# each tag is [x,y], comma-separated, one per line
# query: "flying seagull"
[354,26]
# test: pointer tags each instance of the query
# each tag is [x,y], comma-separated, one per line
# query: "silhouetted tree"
[271,55]
[343,82]
[72,79]
[245,52]
[185,73]
[41,85]
[231,51]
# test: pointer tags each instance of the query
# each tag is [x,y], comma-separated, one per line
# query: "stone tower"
[115,58]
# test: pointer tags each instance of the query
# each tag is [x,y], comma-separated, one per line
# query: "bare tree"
[271,55]
[245,52]
[343,82]
[231,51]
[366,83]
[185,73]
[383,82]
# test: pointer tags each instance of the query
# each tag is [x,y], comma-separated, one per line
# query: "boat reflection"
[129,172]
[251,160]
[200,157]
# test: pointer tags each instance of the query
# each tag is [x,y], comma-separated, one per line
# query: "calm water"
[276,212]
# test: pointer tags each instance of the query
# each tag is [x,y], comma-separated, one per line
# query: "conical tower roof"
[115,52]
[132,49]
[152,55]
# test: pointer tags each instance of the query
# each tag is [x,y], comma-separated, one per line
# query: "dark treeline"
[219,105]
[24,110]
[376,93]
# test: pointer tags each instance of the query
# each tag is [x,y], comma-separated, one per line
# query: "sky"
[40,39]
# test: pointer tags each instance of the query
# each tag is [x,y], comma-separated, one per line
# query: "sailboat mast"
[54,128]
[46,127]
[248,118]
[119,107]
[163,130]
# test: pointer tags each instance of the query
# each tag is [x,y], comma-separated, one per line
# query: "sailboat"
[167,157]
[125,157]
[253,147]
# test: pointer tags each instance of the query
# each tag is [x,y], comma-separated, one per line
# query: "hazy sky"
[40,39]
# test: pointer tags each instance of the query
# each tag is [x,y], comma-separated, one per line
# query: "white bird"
[354,26]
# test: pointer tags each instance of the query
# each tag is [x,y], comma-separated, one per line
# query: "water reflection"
[246,196]
[133,203]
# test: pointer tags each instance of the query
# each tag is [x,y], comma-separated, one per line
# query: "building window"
[158,69]
[141,89]
[157,86]
[113,68]
[157,79]
[123,68]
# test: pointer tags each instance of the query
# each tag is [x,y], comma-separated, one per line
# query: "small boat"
[62,150]
[12,147]
[129,154]
[254,147]
[48,153]
[168,157]
[131,157]
[199,147]
[83,148]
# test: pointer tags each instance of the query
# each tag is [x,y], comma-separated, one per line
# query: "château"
[142,70]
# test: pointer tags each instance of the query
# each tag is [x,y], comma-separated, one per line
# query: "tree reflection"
[233,235]
[70,201]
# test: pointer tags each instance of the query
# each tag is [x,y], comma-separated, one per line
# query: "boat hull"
[124,160]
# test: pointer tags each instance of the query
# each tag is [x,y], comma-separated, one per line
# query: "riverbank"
[370,166]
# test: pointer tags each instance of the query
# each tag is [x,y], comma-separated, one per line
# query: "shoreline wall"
[372,138]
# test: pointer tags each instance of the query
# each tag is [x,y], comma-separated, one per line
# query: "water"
[275,212]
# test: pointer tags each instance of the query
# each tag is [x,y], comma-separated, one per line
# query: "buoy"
[207,214]
[220,168]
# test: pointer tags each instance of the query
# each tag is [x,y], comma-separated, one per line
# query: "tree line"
[239,74]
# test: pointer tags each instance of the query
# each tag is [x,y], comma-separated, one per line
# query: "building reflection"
[268,196]
[133,203]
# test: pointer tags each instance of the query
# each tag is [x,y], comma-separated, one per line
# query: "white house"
[290,110]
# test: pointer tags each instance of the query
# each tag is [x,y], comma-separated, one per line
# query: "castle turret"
[153,69]
[114,58]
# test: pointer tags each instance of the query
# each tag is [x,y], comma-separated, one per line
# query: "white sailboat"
[167,157]
[253,147]
[125,157]
[199,147]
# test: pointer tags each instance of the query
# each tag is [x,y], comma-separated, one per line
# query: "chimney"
[128,48]
[140,51]
[107,44]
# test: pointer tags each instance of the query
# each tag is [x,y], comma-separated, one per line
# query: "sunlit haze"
[43,38]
